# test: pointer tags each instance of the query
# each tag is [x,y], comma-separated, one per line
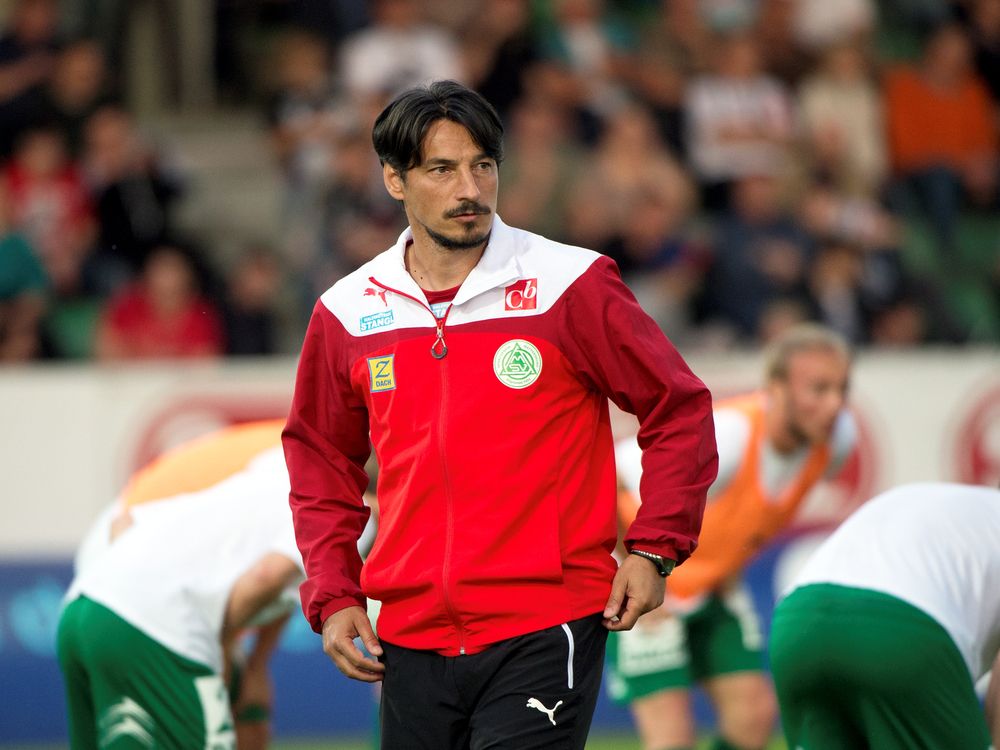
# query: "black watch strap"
[664,565]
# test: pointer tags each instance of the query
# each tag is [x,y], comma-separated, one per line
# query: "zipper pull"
[439,349]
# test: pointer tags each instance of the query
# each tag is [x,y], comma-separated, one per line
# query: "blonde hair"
[798,338]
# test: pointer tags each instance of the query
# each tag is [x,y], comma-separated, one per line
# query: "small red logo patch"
[521,295]
[380,293]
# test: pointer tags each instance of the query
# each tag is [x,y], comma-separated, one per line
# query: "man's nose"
[468,186]
[835,401]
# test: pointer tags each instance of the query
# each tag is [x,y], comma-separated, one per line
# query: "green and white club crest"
[517,363]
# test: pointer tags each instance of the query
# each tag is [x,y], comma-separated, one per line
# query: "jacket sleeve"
[621,352]
[326,445]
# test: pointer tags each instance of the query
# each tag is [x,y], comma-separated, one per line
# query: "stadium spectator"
[658,82]
[739,120]
[836,287]
[358,215]
[77,88]
[150,626]
[398,50]
[773,29]
[778,318]
[775,445]
[907,587]
[135,191]
[760,255]
[24,293]
[843,124]
[50,205]
[499,52]
[819,25]
[306,116]
[903,323]
[162,314]
[28,47]
[984,29]
[586,50]
[687,26]
[658,255]
[629,159]
[249,311]
[861,241]
[831,214]
[542,164]
[545,332]
[305,112]
[943,135]
[589,219]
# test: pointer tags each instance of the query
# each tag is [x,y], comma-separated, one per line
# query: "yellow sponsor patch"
[382,372]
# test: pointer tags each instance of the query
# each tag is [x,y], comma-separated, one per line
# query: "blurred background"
[181,179]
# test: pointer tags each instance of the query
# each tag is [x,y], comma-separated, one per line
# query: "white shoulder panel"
[539,271]
[364,307]
[520,275]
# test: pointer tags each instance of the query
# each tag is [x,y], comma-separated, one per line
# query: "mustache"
[469,207]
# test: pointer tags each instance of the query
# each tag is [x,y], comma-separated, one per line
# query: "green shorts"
[723,635]
[125,690]
[858,668]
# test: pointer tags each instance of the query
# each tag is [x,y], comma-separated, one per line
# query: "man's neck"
[436,268]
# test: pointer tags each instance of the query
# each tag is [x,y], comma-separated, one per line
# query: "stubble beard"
[804,438]
[467,242]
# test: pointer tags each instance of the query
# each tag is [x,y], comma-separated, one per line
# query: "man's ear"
[394,181]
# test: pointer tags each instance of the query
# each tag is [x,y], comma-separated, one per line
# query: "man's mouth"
[467,211]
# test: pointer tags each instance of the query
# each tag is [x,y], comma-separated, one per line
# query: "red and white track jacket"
[496,464]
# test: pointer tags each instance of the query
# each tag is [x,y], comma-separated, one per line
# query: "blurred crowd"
[748,163]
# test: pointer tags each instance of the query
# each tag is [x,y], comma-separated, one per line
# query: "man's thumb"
[368,636]
[614,605]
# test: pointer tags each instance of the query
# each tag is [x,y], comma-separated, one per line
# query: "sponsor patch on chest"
[382,373]
[521,295]
[377,320]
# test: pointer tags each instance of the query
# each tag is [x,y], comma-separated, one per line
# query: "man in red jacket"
[478,360]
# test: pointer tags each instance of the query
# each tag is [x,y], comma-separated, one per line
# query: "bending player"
[198,547]
[891,622]
[774,446]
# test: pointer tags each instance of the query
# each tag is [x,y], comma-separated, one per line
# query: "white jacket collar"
[497,267]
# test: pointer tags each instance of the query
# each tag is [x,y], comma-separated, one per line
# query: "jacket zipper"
[439,349]
[449,537]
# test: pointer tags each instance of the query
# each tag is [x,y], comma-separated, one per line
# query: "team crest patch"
[377,320]
[382,372]
[517,363]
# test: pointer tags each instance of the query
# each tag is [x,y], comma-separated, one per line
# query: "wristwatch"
[664,565]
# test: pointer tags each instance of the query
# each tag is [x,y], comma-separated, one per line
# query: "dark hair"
[401,127]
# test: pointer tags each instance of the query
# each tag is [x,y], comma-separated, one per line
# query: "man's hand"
[339,632]
[638,587]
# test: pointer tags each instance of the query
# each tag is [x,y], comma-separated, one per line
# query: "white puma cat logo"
[550,712]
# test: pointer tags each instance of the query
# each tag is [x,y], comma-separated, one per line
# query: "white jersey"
[170,574]
[935,546]
[732,433]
